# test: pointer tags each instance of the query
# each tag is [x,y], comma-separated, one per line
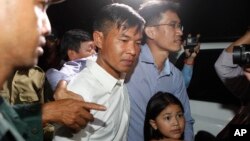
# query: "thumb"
[62,84]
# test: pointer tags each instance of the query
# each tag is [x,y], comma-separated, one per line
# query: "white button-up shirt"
[94,84]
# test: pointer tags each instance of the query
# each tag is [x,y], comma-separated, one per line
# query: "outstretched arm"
[232,75]
[69,109]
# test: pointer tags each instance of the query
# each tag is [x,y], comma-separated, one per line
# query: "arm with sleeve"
[231,74]
[21,122]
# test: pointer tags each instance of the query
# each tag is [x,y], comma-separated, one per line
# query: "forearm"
[245,39]
[187,72]
[225,68]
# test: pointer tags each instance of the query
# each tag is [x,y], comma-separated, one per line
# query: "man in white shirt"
[117,34]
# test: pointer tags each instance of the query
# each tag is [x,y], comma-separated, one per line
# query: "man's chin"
[40,51]
[24,67]
[28,65]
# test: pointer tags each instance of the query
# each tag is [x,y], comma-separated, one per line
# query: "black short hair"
[119,15]
[151,11]
[71,40]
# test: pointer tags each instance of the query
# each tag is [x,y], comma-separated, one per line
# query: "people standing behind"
[235,77]
[117,34]
[21,50]
[185,59]
[50,57]
[76,47]
[164,118]
[154,72]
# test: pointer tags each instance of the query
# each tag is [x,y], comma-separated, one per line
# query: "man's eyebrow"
[124,35]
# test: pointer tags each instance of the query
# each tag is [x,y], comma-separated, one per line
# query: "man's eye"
[124,40]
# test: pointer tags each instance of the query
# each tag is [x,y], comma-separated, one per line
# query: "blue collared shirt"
[146,81]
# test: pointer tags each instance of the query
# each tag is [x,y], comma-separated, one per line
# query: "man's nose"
[46,27]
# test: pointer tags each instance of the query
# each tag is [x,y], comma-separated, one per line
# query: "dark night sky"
[215,20]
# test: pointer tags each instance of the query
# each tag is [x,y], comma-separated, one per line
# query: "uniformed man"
[23,26]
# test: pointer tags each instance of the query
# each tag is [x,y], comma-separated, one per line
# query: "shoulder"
[34,74]
[81,79]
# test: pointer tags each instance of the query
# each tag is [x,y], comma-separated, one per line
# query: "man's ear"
[149,31]
[98,38]
[153,124]
[71,54]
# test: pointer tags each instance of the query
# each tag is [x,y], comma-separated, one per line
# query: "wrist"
[47,114]
[189,61]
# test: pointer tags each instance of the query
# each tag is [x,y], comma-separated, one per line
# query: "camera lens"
[237,55]
[241,55]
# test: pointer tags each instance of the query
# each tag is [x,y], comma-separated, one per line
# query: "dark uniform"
[20,122]
[27,87]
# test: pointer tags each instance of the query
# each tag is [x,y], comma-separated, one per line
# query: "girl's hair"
[156,104]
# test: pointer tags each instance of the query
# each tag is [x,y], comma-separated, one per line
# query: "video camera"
[241,55]
[191,42]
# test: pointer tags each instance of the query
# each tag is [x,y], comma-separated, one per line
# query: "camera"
[191,42]
[241,55]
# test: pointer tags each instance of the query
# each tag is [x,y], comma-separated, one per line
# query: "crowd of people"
[117,83]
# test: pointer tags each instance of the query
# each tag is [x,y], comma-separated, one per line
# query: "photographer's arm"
[232,75]
[190,56]
[245,39]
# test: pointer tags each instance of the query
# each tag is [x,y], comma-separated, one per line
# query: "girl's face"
[170,122]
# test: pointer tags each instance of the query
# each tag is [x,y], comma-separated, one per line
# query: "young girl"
[164,119]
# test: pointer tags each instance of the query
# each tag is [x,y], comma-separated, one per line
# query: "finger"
[94,106]
[75,127]
[85,117]
[82,122]
[247,70]
[198,36]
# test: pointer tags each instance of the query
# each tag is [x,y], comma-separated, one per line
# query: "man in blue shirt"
[154,72]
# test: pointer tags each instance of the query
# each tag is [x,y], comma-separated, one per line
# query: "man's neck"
[5,71]
[159,55]
[107,68]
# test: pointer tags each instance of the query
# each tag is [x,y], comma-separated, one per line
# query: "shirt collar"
[147,57]
[107,80]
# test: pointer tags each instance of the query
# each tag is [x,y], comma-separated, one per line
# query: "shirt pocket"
[28,97]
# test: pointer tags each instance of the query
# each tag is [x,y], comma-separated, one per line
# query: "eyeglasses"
[173,25]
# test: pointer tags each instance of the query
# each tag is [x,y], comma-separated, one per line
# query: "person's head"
[76,44]
[117,34]
[23,25]
[50,57]
[164,117]
[163,25]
